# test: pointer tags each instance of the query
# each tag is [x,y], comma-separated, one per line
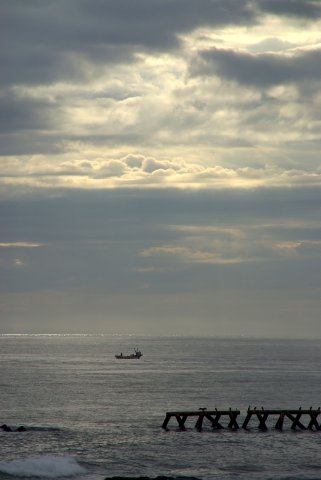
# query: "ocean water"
[90,416]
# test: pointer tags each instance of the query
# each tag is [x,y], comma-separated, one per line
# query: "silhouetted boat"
[132,356]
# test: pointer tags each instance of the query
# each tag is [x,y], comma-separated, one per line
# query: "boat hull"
[133,356]
[128,357]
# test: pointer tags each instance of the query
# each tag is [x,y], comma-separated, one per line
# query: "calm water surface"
[90,416]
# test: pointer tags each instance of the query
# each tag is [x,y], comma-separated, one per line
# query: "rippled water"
[92,416]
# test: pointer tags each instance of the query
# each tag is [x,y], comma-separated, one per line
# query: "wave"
[45,466]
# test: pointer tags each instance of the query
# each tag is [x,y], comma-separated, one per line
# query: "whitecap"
[45,466]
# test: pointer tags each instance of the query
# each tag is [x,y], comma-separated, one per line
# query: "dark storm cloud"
[300,8]
[261,70]
[43,41]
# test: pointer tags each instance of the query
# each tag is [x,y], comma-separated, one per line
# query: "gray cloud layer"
[75,43]
[187,253]
[160,166]
[40,45]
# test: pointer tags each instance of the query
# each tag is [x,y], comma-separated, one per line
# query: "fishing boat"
[132,356]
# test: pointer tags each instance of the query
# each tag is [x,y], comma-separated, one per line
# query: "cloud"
[20,245]
[24,114]
[114,76]
[240,239]
[113,168]
[221,245]
[166,154]
[40,45]
[138,171]
[271,44]
[188,256]
[261,70]
[301,247]
[19,263]
[104,247]
[309,9]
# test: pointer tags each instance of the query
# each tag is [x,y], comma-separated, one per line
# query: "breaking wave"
[45,466]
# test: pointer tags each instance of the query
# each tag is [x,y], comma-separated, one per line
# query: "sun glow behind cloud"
[177,108]
[146,172]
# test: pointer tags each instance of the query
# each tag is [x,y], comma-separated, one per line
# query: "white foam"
[45,466]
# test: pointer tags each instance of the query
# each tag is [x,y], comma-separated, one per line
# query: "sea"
[89,416]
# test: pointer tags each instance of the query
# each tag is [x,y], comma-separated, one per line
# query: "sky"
[160,167]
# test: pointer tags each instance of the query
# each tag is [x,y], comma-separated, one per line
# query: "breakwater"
[263,419]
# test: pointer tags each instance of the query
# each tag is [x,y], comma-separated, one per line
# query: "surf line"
[216,417]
